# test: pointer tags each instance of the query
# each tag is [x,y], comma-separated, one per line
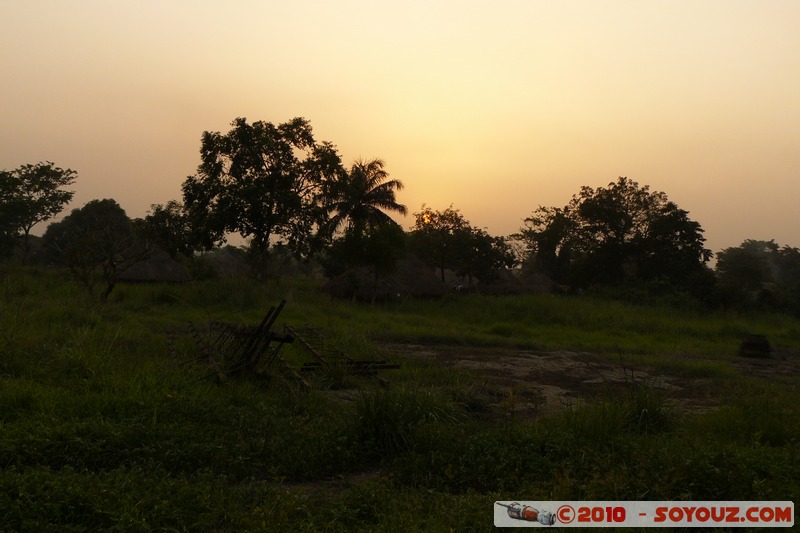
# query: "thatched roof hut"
[411,278]
[227,262]
[517,282]
[158,267]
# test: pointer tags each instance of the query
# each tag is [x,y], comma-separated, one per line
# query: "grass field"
[99,431]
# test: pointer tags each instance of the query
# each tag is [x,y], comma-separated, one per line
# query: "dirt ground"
[527,384]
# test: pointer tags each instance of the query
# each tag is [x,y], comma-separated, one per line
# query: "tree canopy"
[277,185]
[358,200]
[379,246]
[617,233]
[761,272]
[29,195]
[168,227]
[434,236]
[261,180]
[447,241]
[481,255]
[98,237]
[361,196]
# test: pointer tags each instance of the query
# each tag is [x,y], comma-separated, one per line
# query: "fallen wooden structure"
[231,350]
[313,342]
[236,349]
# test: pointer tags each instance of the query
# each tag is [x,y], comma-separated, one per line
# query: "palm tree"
[361,196]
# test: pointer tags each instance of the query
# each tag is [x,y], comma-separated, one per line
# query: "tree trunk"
[375,284]
[107,291]
[26,247]
[110,271]
[260,258]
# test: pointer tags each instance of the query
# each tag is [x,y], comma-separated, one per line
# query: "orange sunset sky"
[494,107]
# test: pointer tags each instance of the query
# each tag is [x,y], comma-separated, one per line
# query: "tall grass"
[545,322]
[388,419]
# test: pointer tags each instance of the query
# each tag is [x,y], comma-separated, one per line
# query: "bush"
[388,419]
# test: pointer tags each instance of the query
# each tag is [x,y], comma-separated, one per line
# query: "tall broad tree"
[616,233]
[445,240]
[32,194]
[436,235]
[96,242]
[168,227]
[379,247]
[481,255]
[262,181]
[546,239]
[759,271]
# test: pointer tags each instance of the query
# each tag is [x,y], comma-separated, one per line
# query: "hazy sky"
[494,107]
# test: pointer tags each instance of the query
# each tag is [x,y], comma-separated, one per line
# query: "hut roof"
[159,266]
[512,282]
[226,263]
[411,278]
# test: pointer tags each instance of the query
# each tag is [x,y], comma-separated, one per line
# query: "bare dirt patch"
[528,383]
[525,384]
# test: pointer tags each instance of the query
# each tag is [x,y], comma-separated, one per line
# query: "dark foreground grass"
[98,432]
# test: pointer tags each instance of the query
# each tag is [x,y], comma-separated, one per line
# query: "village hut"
[227,262]
[411,278]
[159,267]
[503,281]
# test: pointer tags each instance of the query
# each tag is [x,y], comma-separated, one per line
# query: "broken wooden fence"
[314,343]
[235,349]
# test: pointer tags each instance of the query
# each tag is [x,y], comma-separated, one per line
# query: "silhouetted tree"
[446,240]
[435,236]
[168,227]
[358,199]
[760,272]
[99,237]
[788,262]
[480,255]
[9,229]
[29,195]
[547,239]
[361,196]
[261,180]
[617,233]
[379,246]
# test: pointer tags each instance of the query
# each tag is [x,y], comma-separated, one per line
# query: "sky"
[493,107]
